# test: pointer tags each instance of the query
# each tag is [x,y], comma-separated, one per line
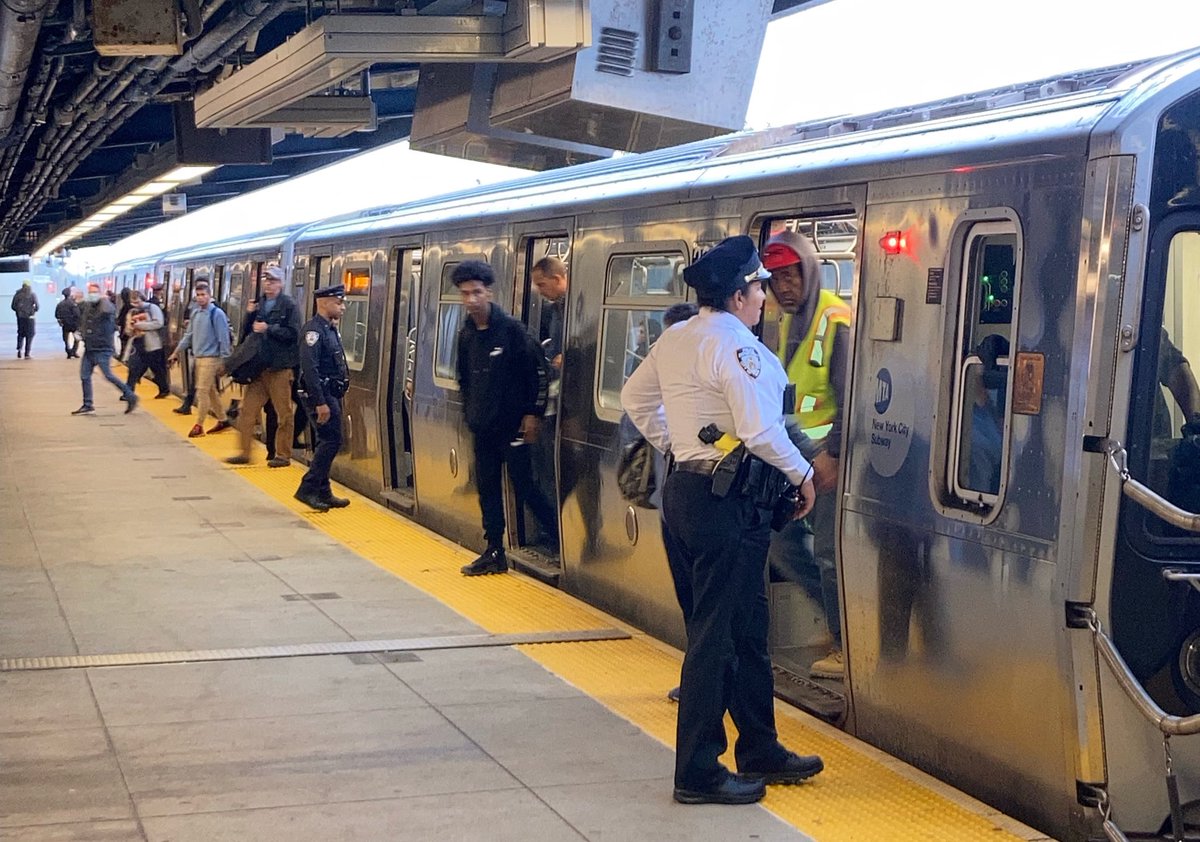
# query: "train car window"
[1172,411]
[450,316]
[321,267]
[986,332]
[353,327]
[640,287]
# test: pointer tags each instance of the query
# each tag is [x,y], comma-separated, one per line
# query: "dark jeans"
[722,549]
[329,442]
[26,327]
[803,552]
[70,342]
[103,359]
[154,361]
[492,452]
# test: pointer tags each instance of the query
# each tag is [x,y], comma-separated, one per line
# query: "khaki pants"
[277,387]
[208,398]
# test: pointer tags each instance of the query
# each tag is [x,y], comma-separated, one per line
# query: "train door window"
[353,325]
[233,300]
[638,289]
[219,290]
[1166,439]
[450,316]
[978,456]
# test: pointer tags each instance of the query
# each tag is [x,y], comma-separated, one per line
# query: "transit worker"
[814,347]
[99,320]
[503,381]
[324,380]
[25,305]
[207,337]
[277,319]
[146,323]
[707,376]
[67,314]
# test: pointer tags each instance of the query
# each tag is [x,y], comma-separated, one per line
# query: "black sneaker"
[336,502]
[493,560]
[734,789]
[131,404]
[84,410]
[186,409]
[793,769]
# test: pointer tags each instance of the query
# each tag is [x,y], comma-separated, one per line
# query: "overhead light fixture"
[144,193]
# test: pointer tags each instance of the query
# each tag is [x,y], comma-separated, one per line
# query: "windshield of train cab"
[1163,438]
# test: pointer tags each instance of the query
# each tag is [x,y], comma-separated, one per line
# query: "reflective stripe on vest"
[816,402]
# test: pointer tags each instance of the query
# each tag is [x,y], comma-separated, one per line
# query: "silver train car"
[1017,555]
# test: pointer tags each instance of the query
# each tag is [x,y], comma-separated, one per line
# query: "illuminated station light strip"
[126,203]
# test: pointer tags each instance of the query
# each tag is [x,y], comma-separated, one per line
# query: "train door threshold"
[531,562]
[819,698]
[400,502]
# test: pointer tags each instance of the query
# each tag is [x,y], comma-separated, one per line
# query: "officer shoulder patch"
[312,337]
[749,360]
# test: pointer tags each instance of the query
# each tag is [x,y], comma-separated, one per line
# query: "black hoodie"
[502,375]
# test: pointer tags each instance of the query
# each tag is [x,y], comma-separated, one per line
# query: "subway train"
[1017,552]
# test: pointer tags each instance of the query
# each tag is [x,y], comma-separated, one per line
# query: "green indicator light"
[991,298]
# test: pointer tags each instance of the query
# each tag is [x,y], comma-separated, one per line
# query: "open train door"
[544,313]
[398,470]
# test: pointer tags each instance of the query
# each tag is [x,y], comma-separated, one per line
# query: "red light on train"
[894,242]
[109,284]
[51,288]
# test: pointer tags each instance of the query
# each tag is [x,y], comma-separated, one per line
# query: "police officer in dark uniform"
[704,381]
[324,379]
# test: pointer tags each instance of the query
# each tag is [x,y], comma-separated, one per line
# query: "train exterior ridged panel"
[1017,268]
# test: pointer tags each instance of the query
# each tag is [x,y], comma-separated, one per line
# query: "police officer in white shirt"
[712,370]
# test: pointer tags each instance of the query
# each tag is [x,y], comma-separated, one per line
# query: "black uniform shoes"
[312,501]
[493,560]
[735,789]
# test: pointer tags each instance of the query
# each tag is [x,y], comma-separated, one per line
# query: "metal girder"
[337,47]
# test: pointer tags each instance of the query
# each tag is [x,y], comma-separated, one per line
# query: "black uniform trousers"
[722,551]
[492,452]
[329,442]
[26,328]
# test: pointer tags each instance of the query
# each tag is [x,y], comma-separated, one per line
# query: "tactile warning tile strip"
[859,798]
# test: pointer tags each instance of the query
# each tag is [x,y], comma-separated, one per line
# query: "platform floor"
[118,535]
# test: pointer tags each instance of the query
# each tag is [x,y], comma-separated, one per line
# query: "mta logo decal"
[883,390]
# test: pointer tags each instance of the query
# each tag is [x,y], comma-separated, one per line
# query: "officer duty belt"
[698,466]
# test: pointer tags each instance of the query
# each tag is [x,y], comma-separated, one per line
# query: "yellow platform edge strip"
[862,796]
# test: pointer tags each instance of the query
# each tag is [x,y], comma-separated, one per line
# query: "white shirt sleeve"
[757,408]
[642,400]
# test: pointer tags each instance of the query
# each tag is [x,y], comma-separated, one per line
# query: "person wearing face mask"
[704,381]
[99,324]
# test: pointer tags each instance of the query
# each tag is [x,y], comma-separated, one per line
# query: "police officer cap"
[335,291]
[725,268]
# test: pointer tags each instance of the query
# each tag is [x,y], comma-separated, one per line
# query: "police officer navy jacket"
[323,370]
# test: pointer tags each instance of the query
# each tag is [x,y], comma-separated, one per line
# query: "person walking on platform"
[277,320]
[324,379]
[504,385]
[99,325]
[708,376]
[25,305]
[207,336]
[146,321]
[814,345]
[67,314]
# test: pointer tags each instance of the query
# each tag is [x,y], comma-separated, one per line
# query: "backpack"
[245,362]
[635,473]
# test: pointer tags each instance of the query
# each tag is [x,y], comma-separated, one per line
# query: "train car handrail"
[1147,497]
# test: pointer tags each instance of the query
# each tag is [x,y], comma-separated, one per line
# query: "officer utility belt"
[740,474]
[330,386]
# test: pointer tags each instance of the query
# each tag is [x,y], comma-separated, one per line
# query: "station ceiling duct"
[658,73]
[338,47]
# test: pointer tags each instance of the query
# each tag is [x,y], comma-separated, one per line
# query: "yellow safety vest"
[808,369]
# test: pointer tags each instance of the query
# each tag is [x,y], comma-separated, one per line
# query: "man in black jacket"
[67,313]
[502,378]
[277,321]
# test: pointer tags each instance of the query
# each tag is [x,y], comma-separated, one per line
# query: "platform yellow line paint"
[859,798]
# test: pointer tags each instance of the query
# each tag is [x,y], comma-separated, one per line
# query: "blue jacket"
[207,333]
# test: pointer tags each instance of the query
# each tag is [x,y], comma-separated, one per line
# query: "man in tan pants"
[207,336]
[277,320]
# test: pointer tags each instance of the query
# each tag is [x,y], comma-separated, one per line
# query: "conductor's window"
[639,289]
[982,384]
[353,326]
